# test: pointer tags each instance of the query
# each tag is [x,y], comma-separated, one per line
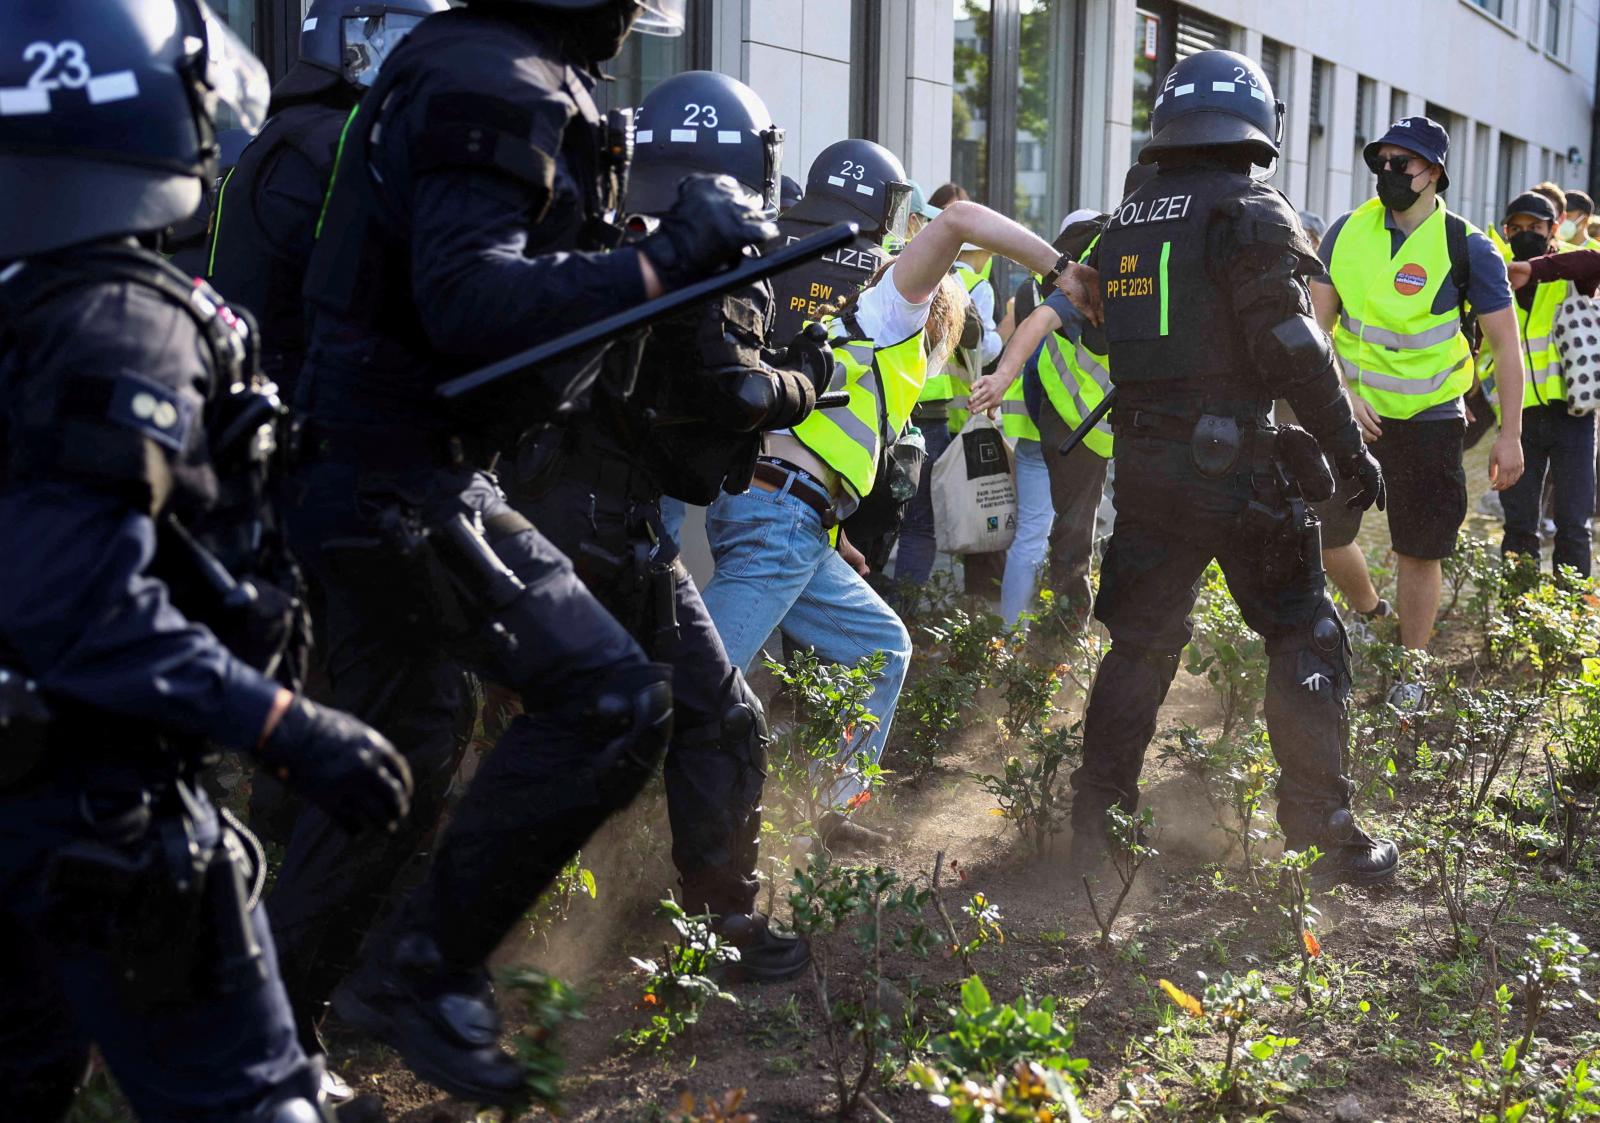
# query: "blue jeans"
[1553,441]
[1035,514]
[914,562]
[775,569]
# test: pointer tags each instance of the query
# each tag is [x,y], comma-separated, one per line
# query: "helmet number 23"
[699,116]
[853,170]
[1242,75]
[66,59]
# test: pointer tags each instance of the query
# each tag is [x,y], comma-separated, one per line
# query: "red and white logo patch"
[1411,280]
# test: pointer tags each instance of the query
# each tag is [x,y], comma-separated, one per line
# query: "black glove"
[341,764]
[1363,468]
[794,398]
[706,230]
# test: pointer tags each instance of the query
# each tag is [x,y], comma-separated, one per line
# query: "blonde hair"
[947,312]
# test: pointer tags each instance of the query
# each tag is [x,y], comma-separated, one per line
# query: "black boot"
[1350,856]
[765,956]
[443,1024]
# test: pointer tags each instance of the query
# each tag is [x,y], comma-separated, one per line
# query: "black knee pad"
[1321,651]
[630,715]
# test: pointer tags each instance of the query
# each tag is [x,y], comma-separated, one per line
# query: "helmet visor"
[661,17]
[897,210]
[368,40]
[234,76]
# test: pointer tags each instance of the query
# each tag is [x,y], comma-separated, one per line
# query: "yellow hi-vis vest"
[883,384]
[954,379]
[1395,352]
[1014,420]
[1543,381]
[1076,380]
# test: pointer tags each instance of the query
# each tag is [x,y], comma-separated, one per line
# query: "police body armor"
[250,263]
[220,546]
[364,275]
[807,292]
[1175,343]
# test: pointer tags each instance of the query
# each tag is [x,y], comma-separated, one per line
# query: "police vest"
[955,377]
[1168,317]
[264,270]
[883,384]
[1543,381]
[1076,379]
[1396,352]
[966,364]
[810,290]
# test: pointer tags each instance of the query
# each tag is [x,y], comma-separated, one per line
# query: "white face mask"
[1568,230]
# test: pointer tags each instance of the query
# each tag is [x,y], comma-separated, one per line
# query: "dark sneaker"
[765,956]
[841,834]
[446,1029]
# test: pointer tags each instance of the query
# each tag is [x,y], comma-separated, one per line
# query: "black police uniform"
[270,203]
[691,429]
[1207,316]
[126,913]
[465,223]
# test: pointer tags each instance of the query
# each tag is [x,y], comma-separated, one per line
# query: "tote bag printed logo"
[1411,280]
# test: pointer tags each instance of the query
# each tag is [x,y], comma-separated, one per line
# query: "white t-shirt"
[887,318]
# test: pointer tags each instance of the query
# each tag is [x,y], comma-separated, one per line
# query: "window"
[1316,197]
[1495,8]
[1552,26]
[866,43]
[645,61]
[1198,32]
[1509,181]
[1146,59]
[970,98]
[1397,108]
[1045,114]
[1272,63]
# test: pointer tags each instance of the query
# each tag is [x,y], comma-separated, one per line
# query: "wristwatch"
[1063,263]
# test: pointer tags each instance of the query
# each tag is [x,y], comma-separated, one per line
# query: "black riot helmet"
[700,122]
[1216,99]
[351,38]
[107,116]
[861,182]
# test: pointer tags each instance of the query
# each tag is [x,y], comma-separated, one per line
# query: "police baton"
[748,271]
[1075,438]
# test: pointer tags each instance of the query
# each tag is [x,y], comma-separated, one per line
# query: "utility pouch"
[1214,445]
[140,906]
[24,728]
[1300,457]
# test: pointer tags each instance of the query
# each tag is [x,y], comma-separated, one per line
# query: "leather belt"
[806,488]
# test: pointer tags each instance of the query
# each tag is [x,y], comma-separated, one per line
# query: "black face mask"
[1528,244]
[1394,189]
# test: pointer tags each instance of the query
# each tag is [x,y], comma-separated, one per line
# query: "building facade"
[1039,106]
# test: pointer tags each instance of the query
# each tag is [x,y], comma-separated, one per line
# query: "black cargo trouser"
[1171,523]
[713,776]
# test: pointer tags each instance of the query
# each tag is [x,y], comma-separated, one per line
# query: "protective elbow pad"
[1303,350]
[631,717]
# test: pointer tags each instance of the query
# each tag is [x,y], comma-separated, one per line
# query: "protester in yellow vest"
[1057,497]
[781,562]
[1555,444]
[1393,302]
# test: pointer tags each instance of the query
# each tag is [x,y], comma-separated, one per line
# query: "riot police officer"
[692,430]
[468,220]
[269,205]
[1203,272]
[127,915]
[850,181]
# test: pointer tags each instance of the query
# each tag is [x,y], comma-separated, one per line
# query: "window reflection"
[970,108]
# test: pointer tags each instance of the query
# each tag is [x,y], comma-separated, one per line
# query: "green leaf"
[975,996]
[589,885]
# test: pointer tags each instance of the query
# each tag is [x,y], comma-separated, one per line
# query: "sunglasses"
[1390,163]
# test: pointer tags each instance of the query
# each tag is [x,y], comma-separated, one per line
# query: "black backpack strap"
[1455,241]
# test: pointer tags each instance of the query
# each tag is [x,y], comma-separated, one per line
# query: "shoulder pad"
[1264,217]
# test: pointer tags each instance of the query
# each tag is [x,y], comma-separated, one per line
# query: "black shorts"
[1427,489]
